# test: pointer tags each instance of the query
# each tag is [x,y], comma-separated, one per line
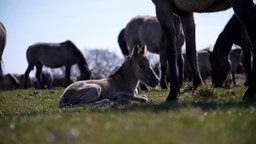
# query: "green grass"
[208,115]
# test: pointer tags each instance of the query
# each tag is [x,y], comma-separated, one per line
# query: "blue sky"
[89,24]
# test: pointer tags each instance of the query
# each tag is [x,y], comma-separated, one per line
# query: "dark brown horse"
[233,33]
[2,45]
[119,86]
[165,10]
[55,55]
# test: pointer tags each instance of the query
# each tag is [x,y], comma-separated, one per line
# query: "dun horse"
[165,10]
[55,55]
[146,30]
[2,45]
[233,33]
[119,87]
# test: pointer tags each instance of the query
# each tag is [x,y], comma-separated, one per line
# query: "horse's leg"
[39,67]
[1,77]
[166,19]
[143,98]
[26,75]
[246,60]
[191,52]
[233,71]
[180,65]
[163,64]
[67,76]
[246,12]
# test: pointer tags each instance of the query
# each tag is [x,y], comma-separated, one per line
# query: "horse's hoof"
[172,97]
[164,87]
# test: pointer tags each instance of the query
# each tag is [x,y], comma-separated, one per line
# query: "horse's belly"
[53,64]
[202,5]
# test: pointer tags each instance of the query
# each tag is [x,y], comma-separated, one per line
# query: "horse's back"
[143,30]
[50,54]
[131,30]
[201,5]
[150,33]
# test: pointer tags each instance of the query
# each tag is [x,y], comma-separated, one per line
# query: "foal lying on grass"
[118,87]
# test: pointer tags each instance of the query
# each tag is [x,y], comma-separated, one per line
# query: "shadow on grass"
[167,106]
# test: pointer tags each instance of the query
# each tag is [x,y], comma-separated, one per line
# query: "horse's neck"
[125,78]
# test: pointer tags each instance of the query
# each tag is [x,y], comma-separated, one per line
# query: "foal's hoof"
[144,99]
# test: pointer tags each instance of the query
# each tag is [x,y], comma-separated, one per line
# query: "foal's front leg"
[127,97]
[143,98]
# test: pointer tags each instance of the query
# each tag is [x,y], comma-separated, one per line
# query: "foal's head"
[142,68]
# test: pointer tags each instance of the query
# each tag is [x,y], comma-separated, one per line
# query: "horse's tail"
[122,42]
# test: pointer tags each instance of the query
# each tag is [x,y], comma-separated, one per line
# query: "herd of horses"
[164,34]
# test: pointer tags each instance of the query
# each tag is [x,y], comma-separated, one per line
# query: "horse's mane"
[76,51]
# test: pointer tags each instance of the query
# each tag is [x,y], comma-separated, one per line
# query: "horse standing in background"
[118,87]
[165,10]
[10,82]
[203,63]
[56,55]
[146,30]
[2,46]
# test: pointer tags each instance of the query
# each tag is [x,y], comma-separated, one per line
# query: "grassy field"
[206,116]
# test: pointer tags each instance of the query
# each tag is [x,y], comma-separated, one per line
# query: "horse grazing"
[2,45]
[146,30]
[233,33]
[55,55]
[119,86]
[165,10]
